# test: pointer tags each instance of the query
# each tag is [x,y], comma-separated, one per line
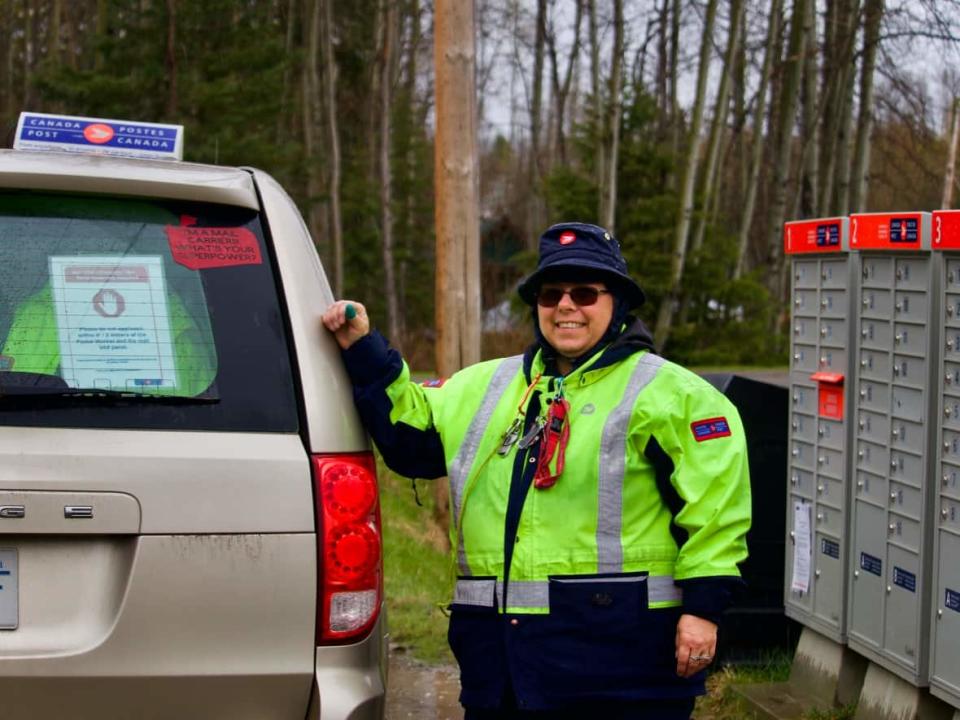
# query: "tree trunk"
[810,125]
[676,121]
[663,65]
[608,198]
[781,170]
[599,160]
[838,62]
[172,109]
[688,181]
[333,140]
[54,33]
[949,176]
[720,114]
[536,102]
[391,20]
[860,172]
[561,89]
[282,116]
[310,84]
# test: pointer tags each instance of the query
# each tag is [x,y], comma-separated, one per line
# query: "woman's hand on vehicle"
[347,320]
[696,644]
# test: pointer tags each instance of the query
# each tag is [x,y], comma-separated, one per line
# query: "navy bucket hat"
[586,247]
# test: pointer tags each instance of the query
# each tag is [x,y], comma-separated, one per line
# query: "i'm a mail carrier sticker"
[67,133]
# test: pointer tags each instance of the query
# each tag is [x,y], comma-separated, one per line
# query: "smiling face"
[573,329]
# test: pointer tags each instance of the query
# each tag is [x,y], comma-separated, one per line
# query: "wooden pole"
[457,196]
[950,174]
[457,189]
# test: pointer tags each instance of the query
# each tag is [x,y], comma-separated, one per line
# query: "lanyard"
[512,433]
[556,435]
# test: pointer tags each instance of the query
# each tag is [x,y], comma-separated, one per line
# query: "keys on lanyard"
[511,436]
[533,433]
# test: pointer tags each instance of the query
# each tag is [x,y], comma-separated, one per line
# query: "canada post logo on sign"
[39,131]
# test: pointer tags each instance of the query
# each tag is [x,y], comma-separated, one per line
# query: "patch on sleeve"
[709,429]
[433,383]
[6,362]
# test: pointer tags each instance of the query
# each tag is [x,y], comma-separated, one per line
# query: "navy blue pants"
[638,710]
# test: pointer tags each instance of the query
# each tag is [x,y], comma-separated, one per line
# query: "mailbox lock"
[823,303]
[898,306]
[796,357]
[797,302]
[946,411]
[863,333]
[795,425]
[823,332]
[939,613]
[949,344]
[796,398]
[860,484]
[946,480]
[863,363]
[795,452]
[949,310]
[816,573]
[896,432]
[821,460]
[866,302]
[893,464]
[860,454]
[896,370]
[794,480]
[944,514]
[897,338]
[892,528]
[796,330]
[863,394]
[889,589]
[819,488]
[856,574]
[862,424]
[948,379]
[946,447]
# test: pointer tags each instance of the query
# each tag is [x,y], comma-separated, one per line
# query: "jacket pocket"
[600,638]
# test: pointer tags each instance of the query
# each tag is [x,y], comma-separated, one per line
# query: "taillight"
[349,545]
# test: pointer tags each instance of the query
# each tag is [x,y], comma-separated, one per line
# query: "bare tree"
[611,125]
[388,67]
[793,67]
[949,177]
[173,102]
[561,88]
[860,171]
[756,150]
[333,141]
[688,180]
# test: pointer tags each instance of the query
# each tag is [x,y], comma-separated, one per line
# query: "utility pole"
[950,174]
[457,188]
[457,195]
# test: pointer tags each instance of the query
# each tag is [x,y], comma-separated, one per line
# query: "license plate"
[9,590]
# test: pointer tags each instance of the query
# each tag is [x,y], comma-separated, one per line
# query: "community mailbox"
[898,321]
[945,637]
[823,281]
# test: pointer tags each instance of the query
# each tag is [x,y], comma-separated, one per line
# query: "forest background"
[692,128]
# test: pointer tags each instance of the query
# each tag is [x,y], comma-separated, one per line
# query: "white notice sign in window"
[802,547]
[113,322]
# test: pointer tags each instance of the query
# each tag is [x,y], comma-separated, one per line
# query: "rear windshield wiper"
[24,385]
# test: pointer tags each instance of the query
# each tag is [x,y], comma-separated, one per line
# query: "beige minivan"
[189,521]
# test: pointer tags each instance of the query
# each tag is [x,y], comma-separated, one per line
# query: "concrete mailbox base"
[824,674]
[887,697]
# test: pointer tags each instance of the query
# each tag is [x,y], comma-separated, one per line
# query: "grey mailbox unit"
[823,282]
[945,637]
[895,396]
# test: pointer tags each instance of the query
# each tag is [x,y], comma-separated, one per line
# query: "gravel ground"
[416,691]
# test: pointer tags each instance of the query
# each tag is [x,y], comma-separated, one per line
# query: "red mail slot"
[829,394]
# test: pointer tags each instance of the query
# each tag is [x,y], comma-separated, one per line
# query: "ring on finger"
[701,658]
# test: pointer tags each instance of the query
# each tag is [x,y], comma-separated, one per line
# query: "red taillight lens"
[349,546]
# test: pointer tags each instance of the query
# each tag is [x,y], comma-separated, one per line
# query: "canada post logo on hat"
[567,237]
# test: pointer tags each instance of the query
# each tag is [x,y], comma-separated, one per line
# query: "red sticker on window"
[210,247]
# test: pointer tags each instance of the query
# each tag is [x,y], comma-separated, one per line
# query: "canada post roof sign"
[39,131]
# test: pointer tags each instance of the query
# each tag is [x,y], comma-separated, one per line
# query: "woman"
[600,494]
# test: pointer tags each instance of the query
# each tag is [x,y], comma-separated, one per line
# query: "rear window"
[119,313]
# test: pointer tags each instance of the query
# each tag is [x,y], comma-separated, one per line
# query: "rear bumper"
[350,681]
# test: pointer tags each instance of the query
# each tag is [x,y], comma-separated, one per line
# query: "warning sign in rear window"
[199,248]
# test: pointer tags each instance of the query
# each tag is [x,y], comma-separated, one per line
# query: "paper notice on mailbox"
[802,547]
[113,322]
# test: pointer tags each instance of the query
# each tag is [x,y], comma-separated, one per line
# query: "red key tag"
[556,436]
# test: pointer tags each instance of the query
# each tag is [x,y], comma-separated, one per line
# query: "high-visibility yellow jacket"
[33,344]
[574,591]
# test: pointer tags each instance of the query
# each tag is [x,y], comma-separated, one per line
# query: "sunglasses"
[580,295]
